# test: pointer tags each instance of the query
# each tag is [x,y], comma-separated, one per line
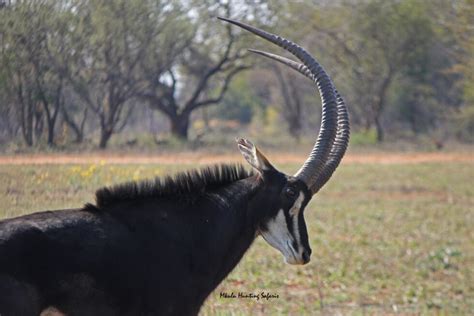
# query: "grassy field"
[386,238]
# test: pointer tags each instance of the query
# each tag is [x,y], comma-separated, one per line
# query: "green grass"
[386,239]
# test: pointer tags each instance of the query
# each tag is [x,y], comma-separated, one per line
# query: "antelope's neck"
[234,230]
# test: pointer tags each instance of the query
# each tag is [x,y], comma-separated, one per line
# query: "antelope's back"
[44,244]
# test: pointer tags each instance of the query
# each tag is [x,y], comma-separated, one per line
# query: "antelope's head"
[283,225]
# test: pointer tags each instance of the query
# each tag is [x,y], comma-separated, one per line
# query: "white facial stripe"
[278,235]
[294,211]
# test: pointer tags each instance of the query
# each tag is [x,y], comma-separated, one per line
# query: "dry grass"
[387,238]
[198,157]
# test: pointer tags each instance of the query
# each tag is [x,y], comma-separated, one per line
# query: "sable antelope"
[161,247]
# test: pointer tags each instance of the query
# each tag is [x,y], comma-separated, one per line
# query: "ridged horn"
[314,164]
[341,141]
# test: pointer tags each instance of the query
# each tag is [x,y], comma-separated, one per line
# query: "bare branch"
[214,70]
[223,89]
[125,120]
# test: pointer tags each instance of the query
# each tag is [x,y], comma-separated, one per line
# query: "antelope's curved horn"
[341,141]
[302,69]
[314,164]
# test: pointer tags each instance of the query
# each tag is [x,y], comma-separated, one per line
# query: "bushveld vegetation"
[386,238]
[83,70]
[166,76]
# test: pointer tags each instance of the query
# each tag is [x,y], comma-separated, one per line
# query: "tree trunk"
[51,133]
[79,137]
[292,107]
[26,117]
[295,128]
[105,135]
[379,130]
[78,129]
[27,126]
[380,104]
[180,126]
[51,118]
[38,124]
[51,121]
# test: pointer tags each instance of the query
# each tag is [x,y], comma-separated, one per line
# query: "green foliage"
[464,124]
[388,57]
[397,63]
[364,137]
[444,259]
[416,106]
[461,31]
[240,102]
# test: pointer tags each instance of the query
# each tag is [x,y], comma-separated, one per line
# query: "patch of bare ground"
[206,158]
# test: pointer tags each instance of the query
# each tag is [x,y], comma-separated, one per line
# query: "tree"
[240,103]
[95,61]
[205,60]
[295,90]
[395,34]
[34,86]
[8,123]
[381,54]
[75,115]
[386,41]
[457,18]
[460,27]
[108,41]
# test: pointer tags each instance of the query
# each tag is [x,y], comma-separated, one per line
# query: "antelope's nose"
[306,256]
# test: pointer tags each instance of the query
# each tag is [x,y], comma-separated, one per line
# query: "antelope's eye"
[290,192]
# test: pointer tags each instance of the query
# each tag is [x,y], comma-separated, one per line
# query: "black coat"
[142,250]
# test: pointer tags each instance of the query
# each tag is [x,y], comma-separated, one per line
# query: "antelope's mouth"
[292,257]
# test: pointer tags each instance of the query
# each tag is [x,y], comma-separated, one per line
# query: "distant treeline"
[90,66]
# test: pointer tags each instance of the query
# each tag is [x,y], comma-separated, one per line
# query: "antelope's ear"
[253,156]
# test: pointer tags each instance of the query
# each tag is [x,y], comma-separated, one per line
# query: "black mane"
[190,183]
